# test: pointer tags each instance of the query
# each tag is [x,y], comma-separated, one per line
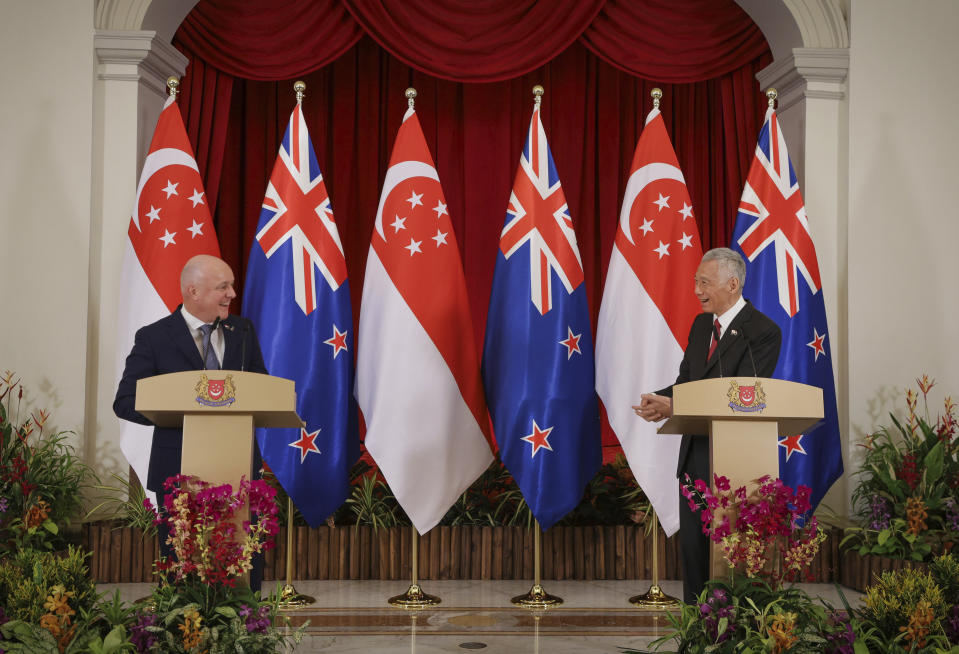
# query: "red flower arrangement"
[763,533]
[203,528]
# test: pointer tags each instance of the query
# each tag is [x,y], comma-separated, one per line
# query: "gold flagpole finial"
[656,94]
[772,94]
[300,87]
[173,85]
[411,97]
[538,91]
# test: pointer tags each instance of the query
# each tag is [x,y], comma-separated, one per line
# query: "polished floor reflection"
[353,616]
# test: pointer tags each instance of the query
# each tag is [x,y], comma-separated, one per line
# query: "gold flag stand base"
[414,598]
[654,599]
[290,600]
[537,598]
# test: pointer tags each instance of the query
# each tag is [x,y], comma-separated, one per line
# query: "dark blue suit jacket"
[167,346]
[749,329]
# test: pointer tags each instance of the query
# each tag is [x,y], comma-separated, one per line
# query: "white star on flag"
[440,238]
[686,241]
[196,198]
[398,224]
[687,211]
[663,201]
[647,226]
[440,209]
[413,247]
[170,189]
[663,249]
[196,229]
[414,199]
[168,238]
[154,213]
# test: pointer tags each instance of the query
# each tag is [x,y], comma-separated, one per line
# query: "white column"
[130,89]
[813,113]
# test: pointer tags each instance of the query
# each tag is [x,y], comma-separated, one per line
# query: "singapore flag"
[647,309]
[170,223]
[417,374]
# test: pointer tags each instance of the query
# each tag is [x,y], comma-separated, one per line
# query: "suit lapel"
[231,344]
[181,337]
[729,340]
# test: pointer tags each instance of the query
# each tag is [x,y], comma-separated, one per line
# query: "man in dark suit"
[200,334]
[730,338]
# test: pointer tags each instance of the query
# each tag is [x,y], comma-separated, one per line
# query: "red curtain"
[597,69]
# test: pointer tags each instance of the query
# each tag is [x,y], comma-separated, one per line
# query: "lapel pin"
[734,332]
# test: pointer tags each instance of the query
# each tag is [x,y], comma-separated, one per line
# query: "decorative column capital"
[808,73]
[137,56]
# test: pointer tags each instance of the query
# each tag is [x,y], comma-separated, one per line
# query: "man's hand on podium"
[654,408]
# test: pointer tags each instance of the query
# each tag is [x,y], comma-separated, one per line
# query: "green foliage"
[747,615]
[895,597]
[945,571]
[125,501]
[41,476]
[372,503]
[27,577]
[905,498]
[196,617]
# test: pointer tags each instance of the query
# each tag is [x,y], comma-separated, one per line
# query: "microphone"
[719,358]
[246,330]
[749,348]
[209,344]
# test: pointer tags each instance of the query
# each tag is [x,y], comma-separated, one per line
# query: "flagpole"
[537,597]
[414,597]
[655,599]
[291,600]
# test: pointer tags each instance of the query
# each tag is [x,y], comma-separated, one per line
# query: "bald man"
[175,343]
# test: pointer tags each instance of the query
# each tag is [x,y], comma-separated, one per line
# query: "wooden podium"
[743,417]
[218,410]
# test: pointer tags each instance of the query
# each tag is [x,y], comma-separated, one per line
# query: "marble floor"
[595,616]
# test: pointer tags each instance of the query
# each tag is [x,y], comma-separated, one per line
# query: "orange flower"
[781,630]
[37,514]
[919,622]
[925,384]
[916,514]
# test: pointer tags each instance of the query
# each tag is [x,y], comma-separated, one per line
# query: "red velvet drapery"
[473,64]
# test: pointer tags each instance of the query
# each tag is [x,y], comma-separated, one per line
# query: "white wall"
[903,275]
[45,132]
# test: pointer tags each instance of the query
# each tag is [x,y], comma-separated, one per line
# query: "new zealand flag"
[782,281]
[538,367]
[298,296]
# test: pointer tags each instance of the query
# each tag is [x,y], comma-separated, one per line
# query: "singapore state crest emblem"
[215,392]
[746,398]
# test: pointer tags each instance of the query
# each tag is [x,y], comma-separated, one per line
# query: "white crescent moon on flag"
[155,162]
[394,176]
[640,180]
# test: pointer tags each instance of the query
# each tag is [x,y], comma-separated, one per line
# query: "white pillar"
[132,68]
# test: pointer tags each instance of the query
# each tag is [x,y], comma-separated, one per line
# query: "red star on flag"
[539,439]
[306,443]
[792,444]
[337,341]
[571,343]
[817,344]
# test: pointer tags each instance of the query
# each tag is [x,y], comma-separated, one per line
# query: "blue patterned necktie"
[211,363]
